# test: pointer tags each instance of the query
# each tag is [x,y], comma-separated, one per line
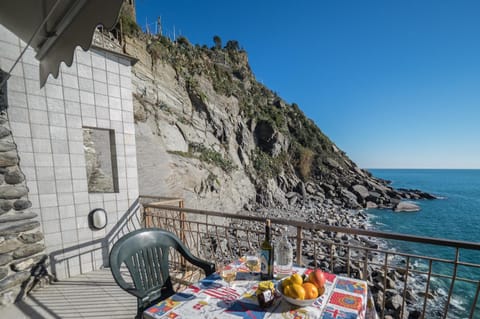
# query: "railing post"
[148,218]
[182,230]
[299,245]
[182,221]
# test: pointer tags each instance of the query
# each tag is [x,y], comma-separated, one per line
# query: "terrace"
[427,286]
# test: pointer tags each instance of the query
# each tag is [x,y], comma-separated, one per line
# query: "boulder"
[361,191]
[406,207]
[350,198]
[327,187]
[332,163]
[371,205]
[394,302]
[311,188]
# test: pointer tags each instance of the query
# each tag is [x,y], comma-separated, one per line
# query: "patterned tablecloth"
[344,298]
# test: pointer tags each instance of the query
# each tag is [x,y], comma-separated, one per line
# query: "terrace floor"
[91,295]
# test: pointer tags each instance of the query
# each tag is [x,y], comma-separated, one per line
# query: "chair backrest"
[145,252]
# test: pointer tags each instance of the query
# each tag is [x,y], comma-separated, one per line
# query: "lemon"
[296,279]
[286,282]
[294,291]
[266,285]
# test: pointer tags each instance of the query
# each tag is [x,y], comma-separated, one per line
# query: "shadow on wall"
[130,221]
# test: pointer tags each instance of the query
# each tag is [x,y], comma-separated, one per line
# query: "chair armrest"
[208,267]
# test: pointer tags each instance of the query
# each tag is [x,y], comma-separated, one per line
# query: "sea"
[454,215]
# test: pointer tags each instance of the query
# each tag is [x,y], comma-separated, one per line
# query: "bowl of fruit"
[300,291]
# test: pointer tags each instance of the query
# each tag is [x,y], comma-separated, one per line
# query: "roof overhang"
[54,28]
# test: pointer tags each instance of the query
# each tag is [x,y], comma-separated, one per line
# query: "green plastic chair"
[145,253]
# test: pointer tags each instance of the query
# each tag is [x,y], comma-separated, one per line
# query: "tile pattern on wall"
[47,126]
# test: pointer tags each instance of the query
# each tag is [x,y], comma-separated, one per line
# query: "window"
[100,159]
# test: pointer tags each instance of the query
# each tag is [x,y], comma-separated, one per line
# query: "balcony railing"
[426,285]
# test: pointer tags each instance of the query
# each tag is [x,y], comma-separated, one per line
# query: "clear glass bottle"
[284,258]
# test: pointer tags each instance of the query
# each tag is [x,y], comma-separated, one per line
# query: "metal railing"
[403,283]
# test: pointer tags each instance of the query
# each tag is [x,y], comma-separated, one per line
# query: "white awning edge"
[78,33]
[54,28]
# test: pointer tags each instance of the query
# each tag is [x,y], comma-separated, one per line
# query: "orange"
[311,291]
[294,291]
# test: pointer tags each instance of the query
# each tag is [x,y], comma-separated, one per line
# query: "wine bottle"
[266,255]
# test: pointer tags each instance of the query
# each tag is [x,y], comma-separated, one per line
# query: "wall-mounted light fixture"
[97,219]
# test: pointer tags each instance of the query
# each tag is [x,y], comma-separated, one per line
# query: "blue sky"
[395,84]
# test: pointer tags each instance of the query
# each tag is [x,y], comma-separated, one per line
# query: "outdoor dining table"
[344,298]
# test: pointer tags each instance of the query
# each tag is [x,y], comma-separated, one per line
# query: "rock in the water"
[406,207]
[371,205]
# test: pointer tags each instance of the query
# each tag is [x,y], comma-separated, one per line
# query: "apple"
[317,277]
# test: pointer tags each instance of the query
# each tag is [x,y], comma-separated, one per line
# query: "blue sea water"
[456,216]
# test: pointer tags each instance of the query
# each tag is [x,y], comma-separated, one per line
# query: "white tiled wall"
[47,127]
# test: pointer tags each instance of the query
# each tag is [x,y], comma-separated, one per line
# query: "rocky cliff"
[209,132]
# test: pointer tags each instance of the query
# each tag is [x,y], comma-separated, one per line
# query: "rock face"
[21,244]
[209,132]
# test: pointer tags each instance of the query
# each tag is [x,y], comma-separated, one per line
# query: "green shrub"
[218,42]
[129,26]
[266,166]
[181,40]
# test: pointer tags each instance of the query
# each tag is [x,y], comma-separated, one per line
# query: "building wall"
[47,126]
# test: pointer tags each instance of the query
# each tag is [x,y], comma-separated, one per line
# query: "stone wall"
[21,241]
